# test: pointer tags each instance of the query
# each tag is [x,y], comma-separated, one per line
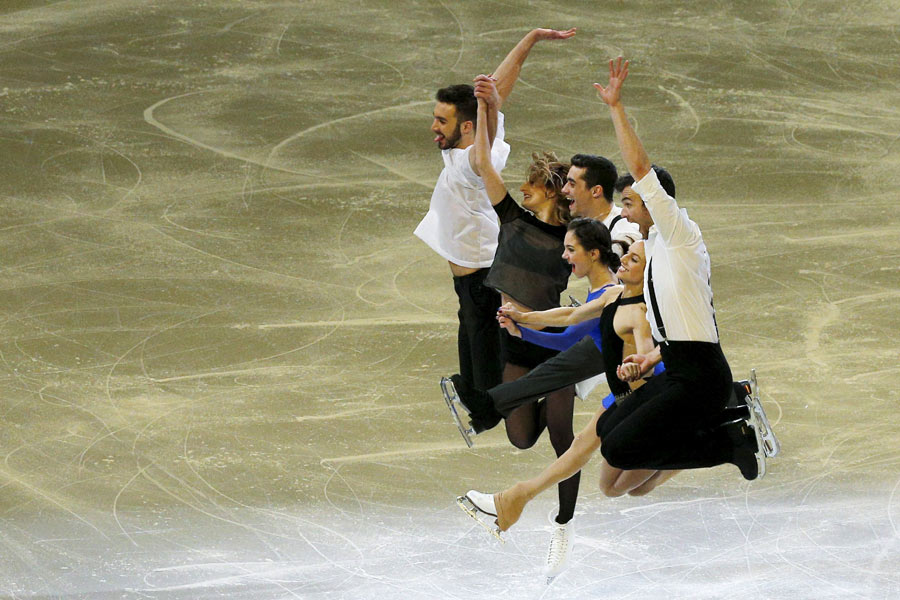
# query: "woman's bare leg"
[638,482]
[659,478]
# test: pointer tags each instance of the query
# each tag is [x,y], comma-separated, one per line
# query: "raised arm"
[480,156]
[507,72]
[673,224]
[630,145]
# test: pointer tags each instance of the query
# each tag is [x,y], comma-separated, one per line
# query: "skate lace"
[559,543]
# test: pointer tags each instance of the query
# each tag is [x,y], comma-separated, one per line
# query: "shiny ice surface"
[221,343]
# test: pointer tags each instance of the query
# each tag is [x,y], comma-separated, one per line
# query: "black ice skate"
[455,405]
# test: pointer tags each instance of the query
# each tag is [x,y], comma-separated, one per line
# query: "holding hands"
[507,315]
[633,367]
[486,90]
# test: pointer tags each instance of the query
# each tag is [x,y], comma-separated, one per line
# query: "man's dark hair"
[597,171]
[665,180]
[462,96]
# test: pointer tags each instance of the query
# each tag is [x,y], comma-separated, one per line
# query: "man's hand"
[509,325]
[553,34]
[633,367]
[618,71]
[486,90]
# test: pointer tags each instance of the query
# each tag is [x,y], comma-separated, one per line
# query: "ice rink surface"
[221,343]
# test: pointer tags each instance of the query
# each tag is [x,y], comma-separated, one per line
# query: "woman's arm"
[564,315]
[559,341]
[486,92]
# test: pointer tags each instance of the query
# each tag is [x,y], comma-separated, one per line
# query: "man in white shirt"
[674,421]
[461,225]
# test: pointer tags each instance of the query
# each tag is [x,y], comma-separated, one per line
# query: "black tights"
[525,424]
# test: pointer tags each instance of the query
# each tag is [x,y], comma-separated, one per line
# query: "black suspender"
[654,303]
[613,222]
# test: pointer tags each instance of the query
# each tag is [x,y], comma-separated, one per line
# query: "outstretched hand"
[618,71]
[554,34]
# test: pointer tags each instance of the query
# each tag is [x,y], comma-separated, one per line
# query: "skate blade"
[760,421]
[470,509]
[452,399]
[760,452]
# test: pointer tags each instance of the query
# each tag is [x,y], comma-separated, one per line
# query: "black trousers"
[581,361]
[478,339]
[672,422]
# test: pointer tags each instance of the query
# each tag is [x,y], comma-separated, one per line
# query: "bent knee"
[611,490]
[522,443]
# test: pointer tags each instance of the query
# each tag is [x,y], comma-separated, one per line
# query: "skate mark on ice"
[289,140]
[419,449]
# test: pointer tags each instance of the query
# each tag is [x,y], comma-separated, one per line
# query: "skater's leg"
[616,482]
[478,347]
[658,478]
[512,501]
[484,335]
[525,424]
[666,424]
[579,362]
[560,408]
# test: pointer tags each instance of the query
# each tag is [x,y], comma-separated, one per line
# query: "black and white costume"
[671,422]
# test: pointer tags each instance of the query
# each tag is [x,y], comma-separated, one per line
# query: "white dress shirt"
[681,272]
[461,224]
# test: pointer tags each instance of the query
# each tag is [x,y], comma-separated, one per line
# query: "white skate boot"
[561,542]
[758,419]
[480,506]
[455,404]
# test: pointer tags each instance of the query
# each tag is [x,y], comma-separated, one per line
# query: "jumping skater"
[461,225]
[530,272]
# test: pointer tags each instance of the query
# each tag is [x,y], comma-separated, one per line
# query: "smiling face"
[584,201]
[632,270]
[445,126]
[581,260]
[534,196]
[579,195]
[634,210]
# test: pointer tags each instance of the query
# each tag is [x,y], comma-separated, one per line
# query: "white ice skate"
[480,506]
[758,419]
[561,542]
[454,404]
